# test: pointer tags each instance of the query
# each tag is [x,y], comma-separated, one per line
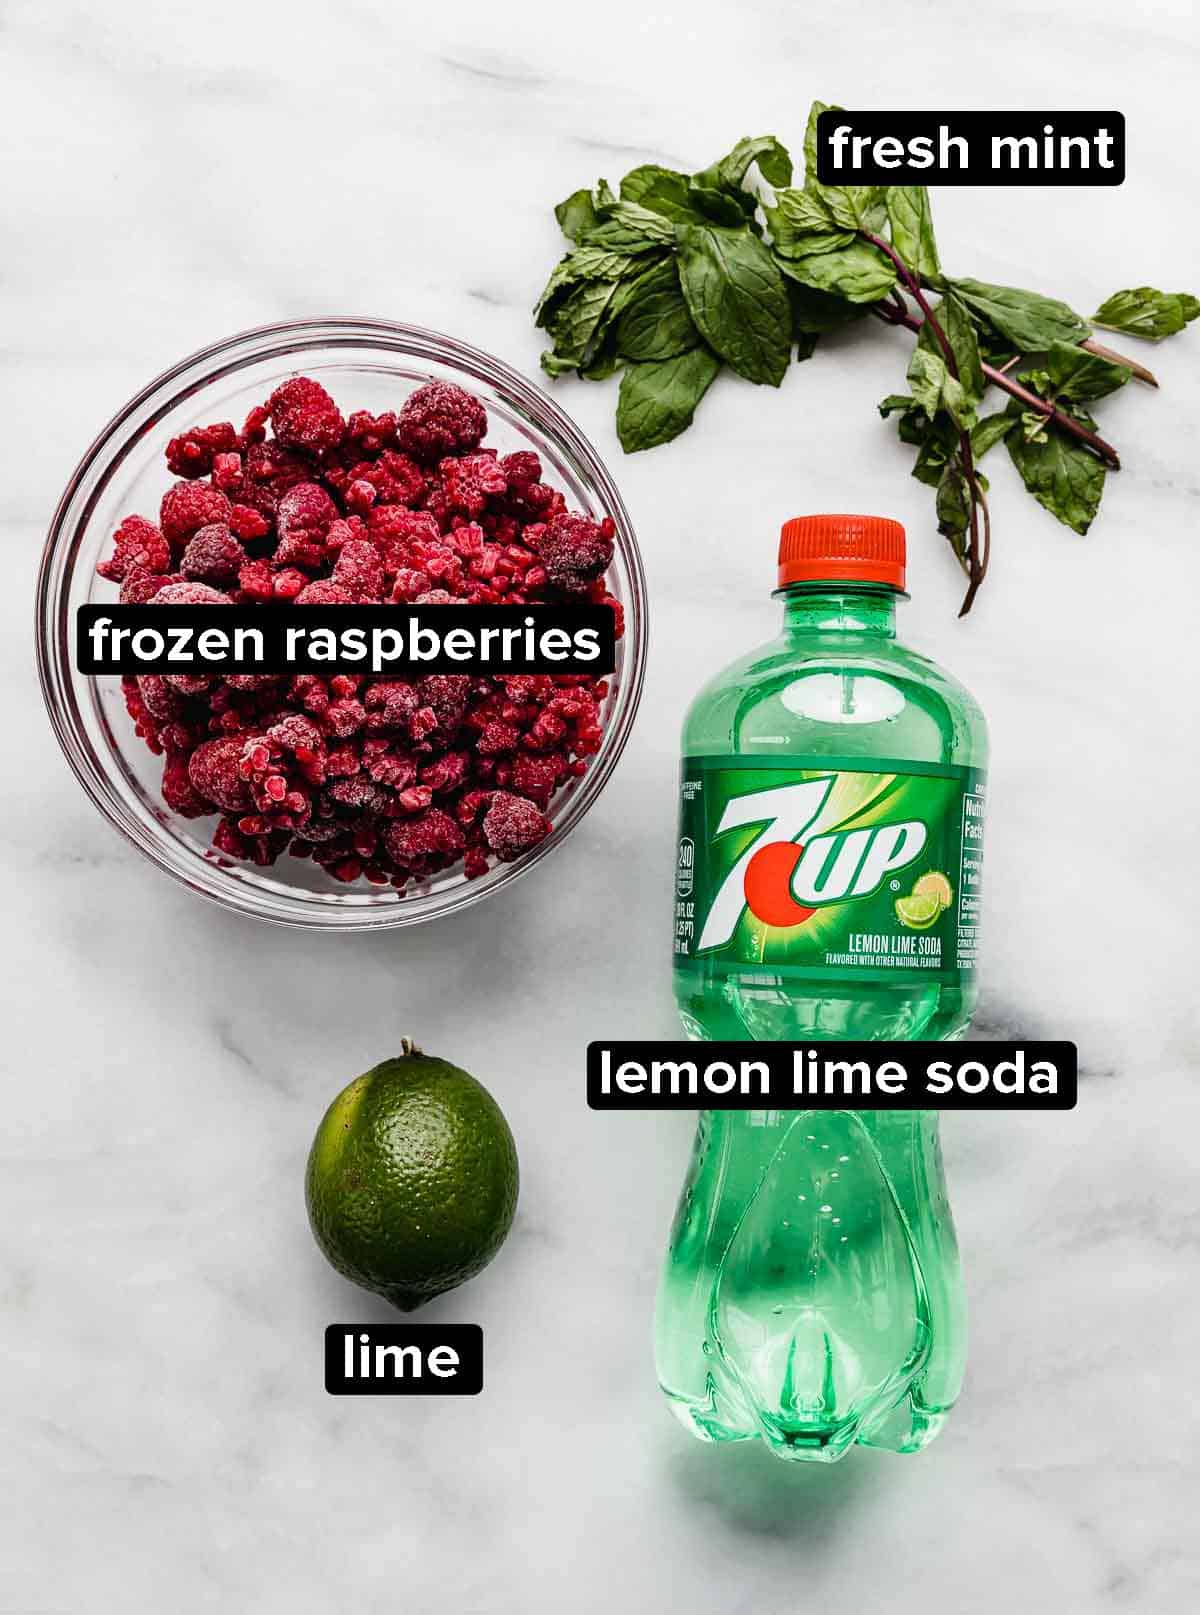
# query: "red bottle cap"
[851,549]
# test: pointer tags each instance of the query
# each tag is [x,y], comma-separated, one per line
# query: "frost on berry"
[305,416]
[303,517]
[431,836]
[470,481]
[574,550]
[213,555]
[440,419]
[139,544]
[190,594]
[189,506]
[359,570]
[214,772]
[512,825]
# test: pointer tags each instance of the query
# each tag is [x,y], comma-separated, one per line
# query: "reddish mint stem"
[1049,412]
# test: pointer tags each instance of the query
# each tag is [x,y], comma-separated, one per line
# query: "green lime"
[935,884]
[919,913]
[412,1179]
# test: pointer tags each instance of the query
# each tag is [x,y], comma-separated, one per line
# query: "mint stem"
[976,560]
[1008,384]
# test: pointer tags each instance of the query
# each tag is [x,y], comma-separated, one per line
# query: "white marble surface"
[174,172]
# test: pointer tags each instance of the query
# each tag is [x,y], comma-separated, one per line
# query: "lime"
[919,913]
[935,884]
[412,1179]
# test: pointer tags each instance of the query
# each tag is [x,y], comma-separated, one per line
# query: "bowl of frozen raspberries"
[341,462]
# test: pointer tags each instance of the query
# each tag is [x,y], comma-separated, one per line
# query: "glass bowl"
[365,364]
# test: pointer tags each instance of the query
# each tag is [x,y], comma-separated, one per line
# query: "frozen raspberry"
[469,482]
[256,580]
[395,479]
[179,793]
[447,694]
[189,506]
[141,586]
[359,570]
[214,772]
[440,419]
[213,555]
[192,453]
[159,699]
[289,583]
[573,549]
[433,834]
[247,524]
[498,738]
[345,718]
[512,825]
[190,594]
[137,543]
[305,417]
[371,433]
[226,471]
[521,469]
[324,593]
[390,704]
[448,773]
[302,520]
[536,775]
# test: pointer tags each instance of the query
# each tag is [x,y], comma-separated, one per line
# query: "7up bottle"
[827,886]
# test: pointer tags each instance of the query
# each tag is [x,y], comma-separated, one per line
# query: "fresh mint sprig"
[676,275]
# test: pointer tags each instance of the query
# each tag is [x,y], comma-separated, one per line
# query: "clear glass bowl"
[365,364]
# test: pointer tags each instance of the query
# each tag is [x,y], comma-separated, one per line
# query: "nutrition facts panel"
[970,873]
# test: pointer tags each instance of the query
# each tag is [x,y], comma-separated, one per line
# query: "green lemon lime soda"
[827,886]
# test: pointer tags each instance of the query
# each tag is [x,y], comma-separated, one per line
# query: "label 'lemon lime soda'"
[828,884]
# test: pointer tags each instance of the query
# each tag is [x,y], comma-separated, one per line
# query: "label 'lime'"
[412,1179]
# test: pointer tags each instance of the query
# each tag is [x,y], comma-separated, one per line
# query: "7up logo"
[782,878]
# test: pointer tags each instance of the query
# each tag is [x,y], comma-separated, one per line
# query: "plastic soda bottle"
[828,885]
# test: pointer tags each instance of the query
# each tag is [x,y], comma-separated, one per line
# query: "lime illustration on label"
[823,867]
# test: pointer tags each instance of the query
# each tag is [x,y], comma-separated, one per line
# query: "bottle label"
[825,867]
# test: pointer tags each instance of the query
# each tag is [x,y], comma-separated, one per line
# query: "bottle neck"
[840,608]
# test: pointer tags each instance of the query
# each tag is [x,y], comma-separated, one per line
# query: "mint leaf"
[576,214]
[774,164]
[656,323]
[911,218]
[806,345]
[658,400]
[662,189]
[732,209]
[960,334]
[577,324]
[585,263]
[1143,311]
[801,224]
[1060,473]
[737,298]
[859,273]
[1073,373]
[954,508]
[1029,321]
[855,207]
[810,141]
[814,312]
[989,431]
[934,388]
[629,228]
